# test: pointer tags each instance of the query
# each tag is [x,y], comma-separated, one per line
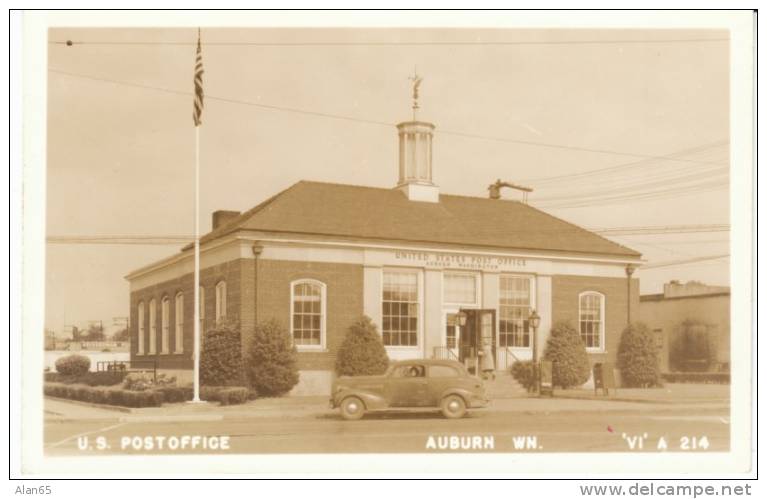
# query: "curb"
[92,404]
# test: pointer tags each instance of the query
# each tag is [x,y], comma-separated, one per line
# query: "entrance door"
[478,340]
[452,335]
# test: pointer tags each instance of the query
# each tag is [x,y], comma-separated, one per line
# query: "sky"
[611,128]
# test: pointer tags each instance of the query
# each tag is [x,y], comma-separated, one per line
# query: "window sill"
[402,347]
[595,350]
[303,349]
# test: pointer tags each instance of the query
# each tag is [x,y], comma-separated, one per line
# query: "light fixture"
[535,319]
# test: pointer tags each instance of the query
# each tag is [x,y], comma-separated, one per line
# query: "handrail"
[444,353]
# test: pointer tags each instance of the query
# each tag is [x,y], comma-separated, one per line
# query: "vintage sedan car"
[410,384]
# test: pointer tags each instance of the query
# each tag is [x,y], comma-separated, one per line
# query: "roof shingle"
[375,213]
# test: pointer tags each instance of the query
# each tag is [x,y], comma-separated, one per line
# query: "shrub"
[570,363]
[522,371]
[73,364]
[174,394]
[362,351]
[718,377]
[638,357]
[221,356]
[272,369]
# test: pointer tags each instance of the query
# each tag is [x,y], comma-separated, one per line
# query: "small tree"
[121,335]
[221,356]
[567,353]
[272,364]
[362,351]
[638,357]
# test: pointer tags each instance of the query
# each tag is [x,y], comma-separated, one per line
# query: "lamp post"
[629,271]
[535,321]
[460,321]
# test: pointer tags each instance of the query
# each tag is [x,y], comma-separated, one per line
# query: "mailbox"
[546,385]
[604,377]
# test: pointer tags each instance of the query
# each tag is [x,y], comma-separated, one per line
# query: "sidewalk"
[564,401]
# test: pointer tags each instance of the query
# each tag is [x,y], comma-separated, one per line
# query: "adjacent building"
[692,322]
[317,256]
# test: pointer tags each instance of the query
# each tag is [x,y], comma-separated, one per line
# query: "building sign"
[459,261]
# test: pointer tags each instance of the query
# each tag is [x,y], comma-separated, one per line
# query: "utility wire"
[673,263]
[389,44]
[181,239]
[381,123]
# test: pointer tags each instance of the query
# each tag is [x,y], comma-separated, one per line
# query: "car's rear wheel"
[352,408]
[453,407]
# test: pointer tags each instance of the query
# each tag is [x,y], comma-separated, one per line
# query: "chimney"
[221,217]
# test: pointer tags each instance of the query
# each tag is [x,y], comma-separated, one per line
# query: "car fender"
[372,401]
[466,395]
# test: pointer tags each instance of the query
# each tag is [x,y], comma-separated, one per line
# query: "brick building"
[317,256]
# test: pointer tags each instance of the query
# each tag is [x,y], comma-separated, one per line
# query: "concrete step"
[504,386]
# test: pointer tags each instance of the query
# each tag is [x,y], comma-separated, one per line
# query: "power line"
[380,123]
[671,263]
[391,44]
[162,239]
[570,177]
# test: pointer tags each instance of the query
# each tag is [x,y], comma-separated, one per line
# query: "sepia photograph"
[516,240]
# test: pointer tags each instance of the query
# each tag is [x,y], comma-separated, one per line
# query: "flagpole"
[196,397]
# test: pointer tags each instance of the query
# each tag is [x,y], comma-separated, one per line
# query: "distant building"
[317,256]
[692,319]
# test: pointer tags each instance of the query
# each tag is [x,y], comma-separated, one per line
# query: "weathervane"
[416,83]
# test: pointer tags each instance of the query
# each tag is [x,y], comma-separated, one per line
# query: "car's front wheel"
[453,407]
[352,408]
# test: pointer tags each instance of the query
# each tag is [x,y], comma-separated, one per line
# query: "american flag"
[198,94]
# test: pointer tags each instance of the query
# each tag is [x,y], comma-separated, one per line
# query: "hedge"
[688,377]
[154,397]
[101,378]
[104,395]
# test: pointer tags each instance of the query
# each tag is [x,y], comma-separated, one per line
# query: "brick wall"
[231,272]
[565,291]
[344,286]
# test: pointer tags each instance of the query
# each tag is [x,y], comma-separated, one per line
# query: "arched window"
[165,321]
[220,300]
[591,317]
[202,310]
[307,313]
[179,330]
[152,326]
[141,330]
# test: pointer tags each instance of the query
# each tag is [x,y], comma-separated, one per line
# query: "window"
[220,300]
[591,317]
[514,310]
[307,313]
[202,309]
[443,372]
[179,316]
[400,309]
[153,326]
[141,330]
[460,288]
[409,371]
[165,331]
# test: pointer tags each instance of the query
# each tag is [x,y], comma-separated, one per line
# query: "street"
[704,429]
